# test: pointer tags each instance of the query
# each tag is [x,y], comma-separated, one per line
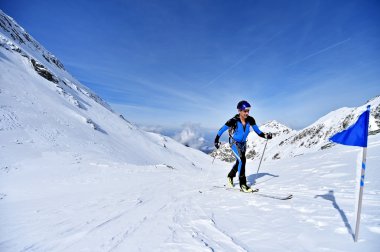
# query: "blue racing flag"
[355,135]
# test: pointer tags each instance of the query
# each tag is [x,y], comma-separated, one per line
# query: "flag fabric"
[355,135]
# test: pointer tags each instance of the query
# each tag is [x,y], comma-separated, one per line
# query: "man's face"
[244,113]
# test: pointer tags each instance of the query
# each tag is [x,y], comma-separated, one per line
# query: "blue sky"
[173,62]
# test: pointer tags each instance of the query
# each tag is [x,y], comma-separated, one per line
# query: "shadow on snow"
[330,197]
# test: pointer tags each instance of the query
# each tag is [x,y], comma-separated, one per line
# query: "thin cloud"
[244,58]
[319,52]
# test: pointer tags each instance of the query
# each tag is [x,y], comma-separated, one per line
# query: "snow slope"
[60,114]
[75,176]
[59,202]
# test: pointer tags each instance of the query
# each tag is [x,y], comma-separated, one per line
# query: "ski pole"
[261,160]
[215,154]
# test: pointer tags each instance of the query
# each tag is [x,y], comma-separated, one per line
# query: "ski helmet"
[242,105]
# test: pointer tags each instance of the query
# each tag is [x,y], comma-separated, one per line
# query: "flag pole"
[357,135]
[360,193]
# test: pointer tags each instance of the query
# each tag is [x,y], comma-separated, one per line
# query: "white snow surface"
[75,176]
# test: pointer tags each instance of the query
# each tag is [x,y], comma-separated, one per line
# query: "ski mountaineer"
[238,129]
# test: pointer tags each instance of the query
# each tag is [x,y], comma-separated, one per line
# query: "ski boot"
[230,182]
[247,189]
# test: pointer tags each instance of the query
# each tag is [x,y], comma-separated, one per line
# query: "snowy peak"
[290,143]
[255,144]
[15,39]
[346,116]
[44,109]
[24,40]
[275,127]
[342,118]
[374,101]
[315,137]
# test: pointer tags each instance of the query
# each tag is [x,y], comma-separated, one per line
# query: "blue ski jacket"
[240,132]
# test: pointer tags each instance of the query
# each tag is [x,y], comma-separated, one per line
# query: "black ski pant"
[239,152]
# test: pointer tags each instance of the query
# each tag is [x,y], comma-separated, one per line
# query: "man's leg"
[234,169]
[237,166]
[242,178]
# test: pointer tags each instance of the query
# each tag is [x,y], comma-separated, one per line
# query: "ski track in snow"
[171,210]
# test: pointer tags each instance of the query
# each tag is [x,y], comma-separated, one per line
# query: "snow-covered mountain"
[290,143]
[43,106]
[75,176]
[15,38]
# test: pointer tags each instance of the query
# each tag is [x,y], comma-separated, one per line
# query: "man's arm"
[258,131]
[220,133]
[222,130]
[225,127]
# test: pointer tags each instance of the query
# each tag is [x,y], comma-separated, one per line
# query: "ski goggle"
[244,106]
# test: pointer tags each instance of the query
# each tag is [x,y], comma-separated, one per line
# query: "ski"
[235,189]
[279,197]
[256,192]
